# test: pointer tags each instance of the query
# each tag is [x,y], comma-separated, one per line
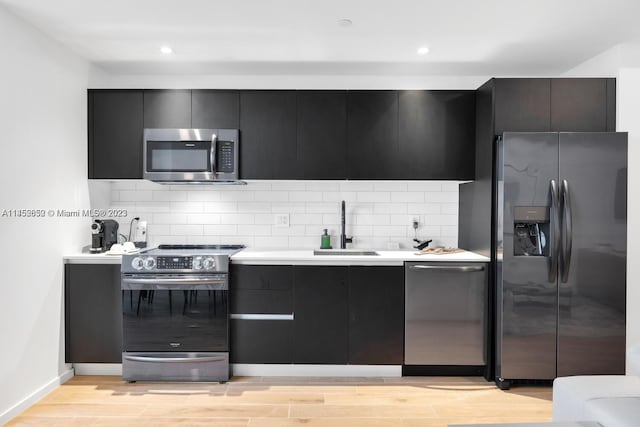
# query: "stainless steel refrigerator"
[561,239]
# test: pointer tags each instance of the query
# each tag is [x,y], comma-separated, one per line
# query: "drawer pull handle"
[459,269]
[256,316]
[174,359]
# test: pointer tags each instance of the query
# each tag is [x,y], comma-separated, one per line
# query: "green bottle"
[325,240]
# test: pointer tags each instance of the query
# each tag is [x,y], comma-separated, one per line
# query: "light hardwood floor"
[285,402]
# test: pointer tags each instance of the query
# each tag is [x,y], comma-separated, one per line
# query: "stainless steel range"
[176,313]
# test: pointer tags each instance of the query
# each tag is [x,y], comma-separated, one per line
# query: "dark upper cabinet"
[268,135]
[93,313]
[372,135]
[436,134]
[215,109]
[115,134]
[322,134]
[579,105]
[320,303]
[376,315]
[522,105]
[167,109]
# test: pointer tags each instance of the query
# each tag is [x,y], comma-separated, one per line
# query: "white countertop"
[306,257]
[302,257]
[89,258]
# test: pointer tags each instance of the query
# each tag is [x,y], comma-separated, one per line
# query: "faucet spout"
[343,235]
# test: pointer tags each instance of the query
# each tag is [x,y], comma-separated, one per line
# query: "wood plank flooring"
[286,402]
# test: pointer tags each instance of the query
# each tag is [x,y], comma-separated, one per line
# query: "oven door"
[175,313]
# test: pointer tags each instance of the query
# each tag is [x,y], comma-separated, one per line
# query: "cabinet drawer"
[261,341]
[261,289]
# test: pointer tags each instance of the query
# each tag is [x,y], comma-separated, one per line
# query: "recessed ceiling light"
[345,22]
[166,50]
[423,50]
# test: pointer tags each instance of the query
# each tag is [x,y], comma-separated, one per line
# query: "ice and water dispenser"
[531,231]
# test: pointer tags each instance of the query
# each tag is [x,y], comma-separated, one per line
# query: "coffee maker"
[104,233]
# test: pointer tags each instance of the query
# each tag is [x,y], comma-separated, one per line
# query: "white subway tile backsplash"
[378,213]
[374,196]
[407,196]
[186,230]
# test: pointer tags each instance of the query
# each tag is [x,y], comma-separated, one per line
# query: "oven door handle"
[182,283]
[175,359]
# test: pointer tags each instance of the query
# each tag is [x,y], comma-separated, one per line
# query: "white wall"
[623,61]
[43,166]
[378,213]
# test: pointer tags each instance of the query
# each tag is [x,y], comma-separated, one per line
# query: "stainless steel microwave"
[191,155]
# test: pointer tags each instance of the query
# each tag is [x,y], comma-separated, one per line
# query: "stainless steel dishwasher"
[445,316]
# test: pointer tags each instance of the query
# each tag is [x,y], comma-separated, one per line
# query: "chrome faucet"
[343,236]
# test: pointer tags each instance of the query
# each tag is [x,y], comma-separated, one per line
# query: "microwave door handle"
[214,144]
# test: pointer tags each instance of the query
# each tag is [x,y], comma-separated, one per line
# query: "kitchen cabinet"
[436,134]
[321,133]
[262,291]
[579,105]
[215,109]
[115,134]
[522,105]
[93,313]
[372,135]
[320,328]
[167,108]
[376,315]
[268,135]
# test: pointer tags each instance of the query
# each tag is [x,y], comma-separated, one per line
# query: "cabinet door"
[115,134]
[372,135]
[266,289]
[93,313]
[522,105]
[320,304]
[376,315]
[167,109]
[268,135]
[215,109]
[436,134]
[261,341]
[322,134]
[579,105]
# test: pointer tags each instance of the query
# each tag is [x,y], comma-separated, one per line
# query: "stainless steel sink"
[351,252]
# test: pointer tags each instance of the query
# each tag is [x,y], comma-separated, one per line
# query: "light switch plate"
[281,220]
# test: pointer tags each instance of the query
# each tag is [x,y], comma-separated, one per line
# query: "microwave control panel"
[225,156]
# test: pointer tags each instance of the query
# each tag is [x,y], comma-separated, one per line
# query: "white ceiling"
[465,37]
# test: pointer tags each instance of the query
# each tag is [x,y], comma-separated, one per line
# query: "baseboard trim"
[98,368]
[19,407]
[286,370]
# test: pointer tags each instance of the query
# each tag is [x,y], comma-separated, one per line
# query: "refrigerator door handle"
[567,237]
[555,219]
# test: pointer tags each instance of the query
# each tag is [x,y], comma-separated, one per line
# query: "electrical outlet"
[415,222]
[281,220]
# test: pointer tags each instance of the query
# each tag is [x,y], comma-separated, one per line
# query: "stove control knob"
[149,263]
[197,263]
[209,263]
[137,263]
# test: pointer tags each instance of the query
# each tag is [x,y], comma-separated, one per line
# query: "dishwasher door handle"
[449,268]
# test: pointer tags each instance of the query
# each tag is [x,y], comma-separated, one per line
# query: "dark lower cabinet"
[262,341]
[115,134]
[321,305]
[264,291]
[93,313]
[341,315]
[376,315]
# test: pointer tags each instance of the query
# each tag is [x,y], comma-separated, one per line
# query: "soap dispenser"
[325,240]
